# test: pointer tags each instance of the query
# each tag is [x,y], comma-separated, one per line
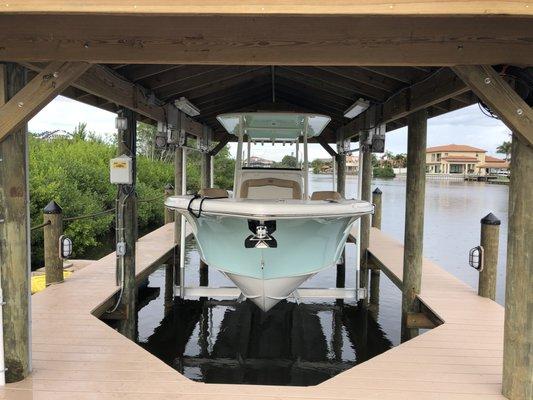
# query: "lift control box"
[121,170]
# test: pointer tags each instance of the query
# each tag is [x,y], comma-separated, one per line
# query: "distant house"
[462,159]
[352,164]
[260,162]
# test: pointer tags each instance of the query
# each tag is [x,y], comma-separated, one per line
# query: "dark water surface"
[305,344]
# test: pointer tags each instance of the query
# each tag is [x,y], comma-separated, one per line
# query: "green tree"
[288,162]
[505,148]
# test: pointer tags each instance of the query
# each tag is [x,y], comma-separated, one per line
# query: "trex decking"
[76,356]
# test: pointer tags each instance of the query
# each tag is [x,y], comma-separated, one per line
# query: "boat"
[270,236]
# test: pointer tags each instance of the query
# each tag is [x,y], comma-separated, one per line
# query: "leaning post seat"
[213,192]
[326,195]
[270,188]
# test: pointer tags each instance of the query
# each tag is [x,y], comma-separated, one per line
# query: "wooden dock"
[77,356]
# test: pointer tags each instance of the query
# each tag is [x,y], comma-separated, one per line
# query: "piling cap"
[52,208]
[490,219]
[377,191]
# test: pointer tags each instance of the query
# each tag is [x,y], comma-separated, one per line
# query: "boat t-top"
[270,236]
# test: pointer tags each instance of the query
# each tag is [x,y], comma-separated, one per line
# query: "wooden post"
[178,167]
[14,236]
[414,217]
[375,273]
[53,263]
[365,220]
[169,214]
[518,335]
[127,217]
[169,287]
[340,160]
[490,237]
[341,174]
[376,200]
[205,171]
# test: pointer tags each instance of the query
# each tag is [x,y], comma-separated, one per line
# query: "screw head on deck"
[52,208]
[377,191]
[490,219]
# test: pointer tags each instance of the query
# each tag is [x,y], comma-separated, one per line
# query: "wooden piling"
[53,263]
[365,220]
[414,217]
[518,334]
[169,287]
[490,237]
[375,273]
[14,236]
[169,214]
[376,200]
[340,160]
[205,171]
[178,168]
[341,174]
[127,207]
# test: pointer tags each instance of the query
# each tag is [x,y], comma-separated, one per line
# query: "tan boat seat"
[276,188]
[326,195]
[213,192]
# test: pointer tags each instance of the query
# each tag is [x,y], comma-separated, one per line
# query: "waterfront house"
[462,159]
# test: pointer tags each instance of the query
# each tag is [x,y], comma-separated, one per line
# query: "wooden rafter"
[489,86]
[46,85]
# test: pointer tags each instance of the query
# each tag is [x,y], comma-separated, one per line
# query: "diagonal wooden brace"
[490,87]
[33,97]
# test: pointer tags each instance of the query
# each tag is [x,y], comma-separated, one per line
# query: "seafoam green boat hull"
[304,246]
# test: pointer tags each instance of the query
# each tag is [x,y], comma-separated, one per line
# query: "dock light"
[121,123]
[187,107]
[357,108]
[65,247]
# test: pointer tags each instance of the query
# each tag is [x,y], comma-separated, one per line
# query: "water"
[224,342]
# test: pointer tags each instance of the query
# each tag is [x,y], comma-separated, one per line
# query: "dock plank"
[77,356]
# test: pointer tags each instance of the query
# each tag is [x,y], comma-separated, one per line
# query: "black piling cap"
[168,186]
[377,191]
[52,208]
[490,219]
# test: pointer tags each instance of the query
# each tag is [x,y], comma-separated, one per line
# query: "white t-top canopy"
[273,125]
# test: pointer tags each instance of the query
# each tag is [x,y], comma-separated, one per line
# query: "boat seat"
[271,188]
[326,195]
[213,192]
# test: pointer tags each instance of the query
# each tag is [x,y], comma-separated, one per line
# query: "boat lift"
[355,293]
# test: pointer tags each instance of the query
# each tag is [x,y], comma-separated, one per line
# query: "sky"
[465,126]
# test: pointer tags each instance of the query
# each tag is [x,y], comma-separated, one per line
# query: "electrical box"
[377,139]
[121,170]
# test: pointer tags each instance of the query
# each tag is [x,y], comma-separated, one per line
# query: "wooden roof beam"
[294,37]
[104,83]
[490,87]
[442,85]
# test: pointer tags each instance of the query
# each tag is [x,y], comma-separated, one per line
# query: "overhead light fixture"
[187,107]
[357,108]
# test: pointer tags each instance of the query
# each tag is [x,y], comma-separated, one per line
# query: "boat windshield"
[278,156]
[261,127]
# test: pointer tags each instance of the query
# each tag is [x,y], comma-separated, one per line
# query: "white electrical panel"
[121,170]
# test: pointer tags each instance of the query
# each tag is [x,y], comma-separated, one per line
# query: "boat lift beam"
[301,293]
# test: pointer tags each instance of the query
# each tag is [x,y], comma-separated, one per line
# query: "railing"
[53,227]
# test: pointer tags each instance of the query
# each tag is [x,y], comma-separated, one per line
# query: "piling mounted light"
[65,247]
[121,122]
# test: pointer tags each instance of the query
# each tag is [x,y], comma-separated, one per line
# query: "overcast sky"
[466,126]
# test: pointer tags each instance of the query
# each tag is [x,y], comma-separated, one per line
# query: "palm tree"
[505,148]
